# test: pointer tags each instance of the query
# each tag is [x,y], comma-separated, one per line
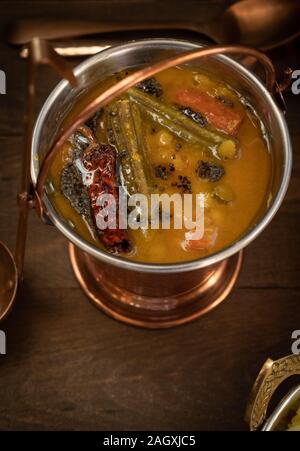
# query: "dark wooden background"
[68,366]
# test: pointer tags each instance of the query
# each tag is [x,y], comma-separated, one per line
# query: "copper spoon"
[257,23]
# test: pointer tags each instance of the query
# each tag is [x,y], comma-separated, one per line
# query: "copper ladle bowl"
[8,280]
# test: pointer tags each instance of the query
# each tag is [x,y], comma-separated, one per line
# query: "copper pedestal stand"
[109,291]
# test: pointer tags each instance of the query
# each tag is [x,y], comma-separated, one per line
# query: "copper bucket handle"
[131,80]
[272,374]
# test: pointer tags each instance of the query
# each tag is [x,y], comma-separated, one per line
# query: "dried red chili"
[101,162]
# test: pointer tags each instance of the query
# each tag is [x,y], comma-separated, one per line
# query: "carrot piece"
[206,242]
[218,114]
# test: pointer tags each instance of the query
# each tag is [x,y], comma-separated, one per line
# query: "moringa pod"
[127,135]
[177,122]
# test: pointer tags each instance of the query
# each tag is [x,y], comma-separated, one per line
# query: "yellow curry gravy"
[247,176]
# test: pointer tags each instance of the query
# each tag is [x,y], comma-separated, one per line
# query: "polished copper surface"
[150,300]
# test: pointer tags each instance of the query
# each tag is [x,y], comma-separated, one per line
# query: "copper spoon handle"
[24,31]
[40,53]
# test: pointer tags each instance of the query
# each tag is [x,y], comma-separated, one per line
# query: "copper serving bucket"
[152,295]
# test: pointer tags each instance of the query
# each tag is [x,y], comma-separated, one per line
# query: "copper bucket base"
[153,312]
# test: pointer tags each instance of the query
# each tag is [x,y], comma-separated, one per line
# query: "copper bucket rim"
[214,258]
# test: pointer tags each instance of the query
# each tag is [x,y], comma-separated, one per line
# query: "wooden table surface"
[68,366]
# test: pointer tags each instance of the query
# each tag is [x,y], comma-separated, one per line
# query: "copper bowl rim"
[214,258]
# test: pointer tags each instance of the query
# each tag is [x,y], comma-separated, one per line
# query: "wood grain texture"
[68,366]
